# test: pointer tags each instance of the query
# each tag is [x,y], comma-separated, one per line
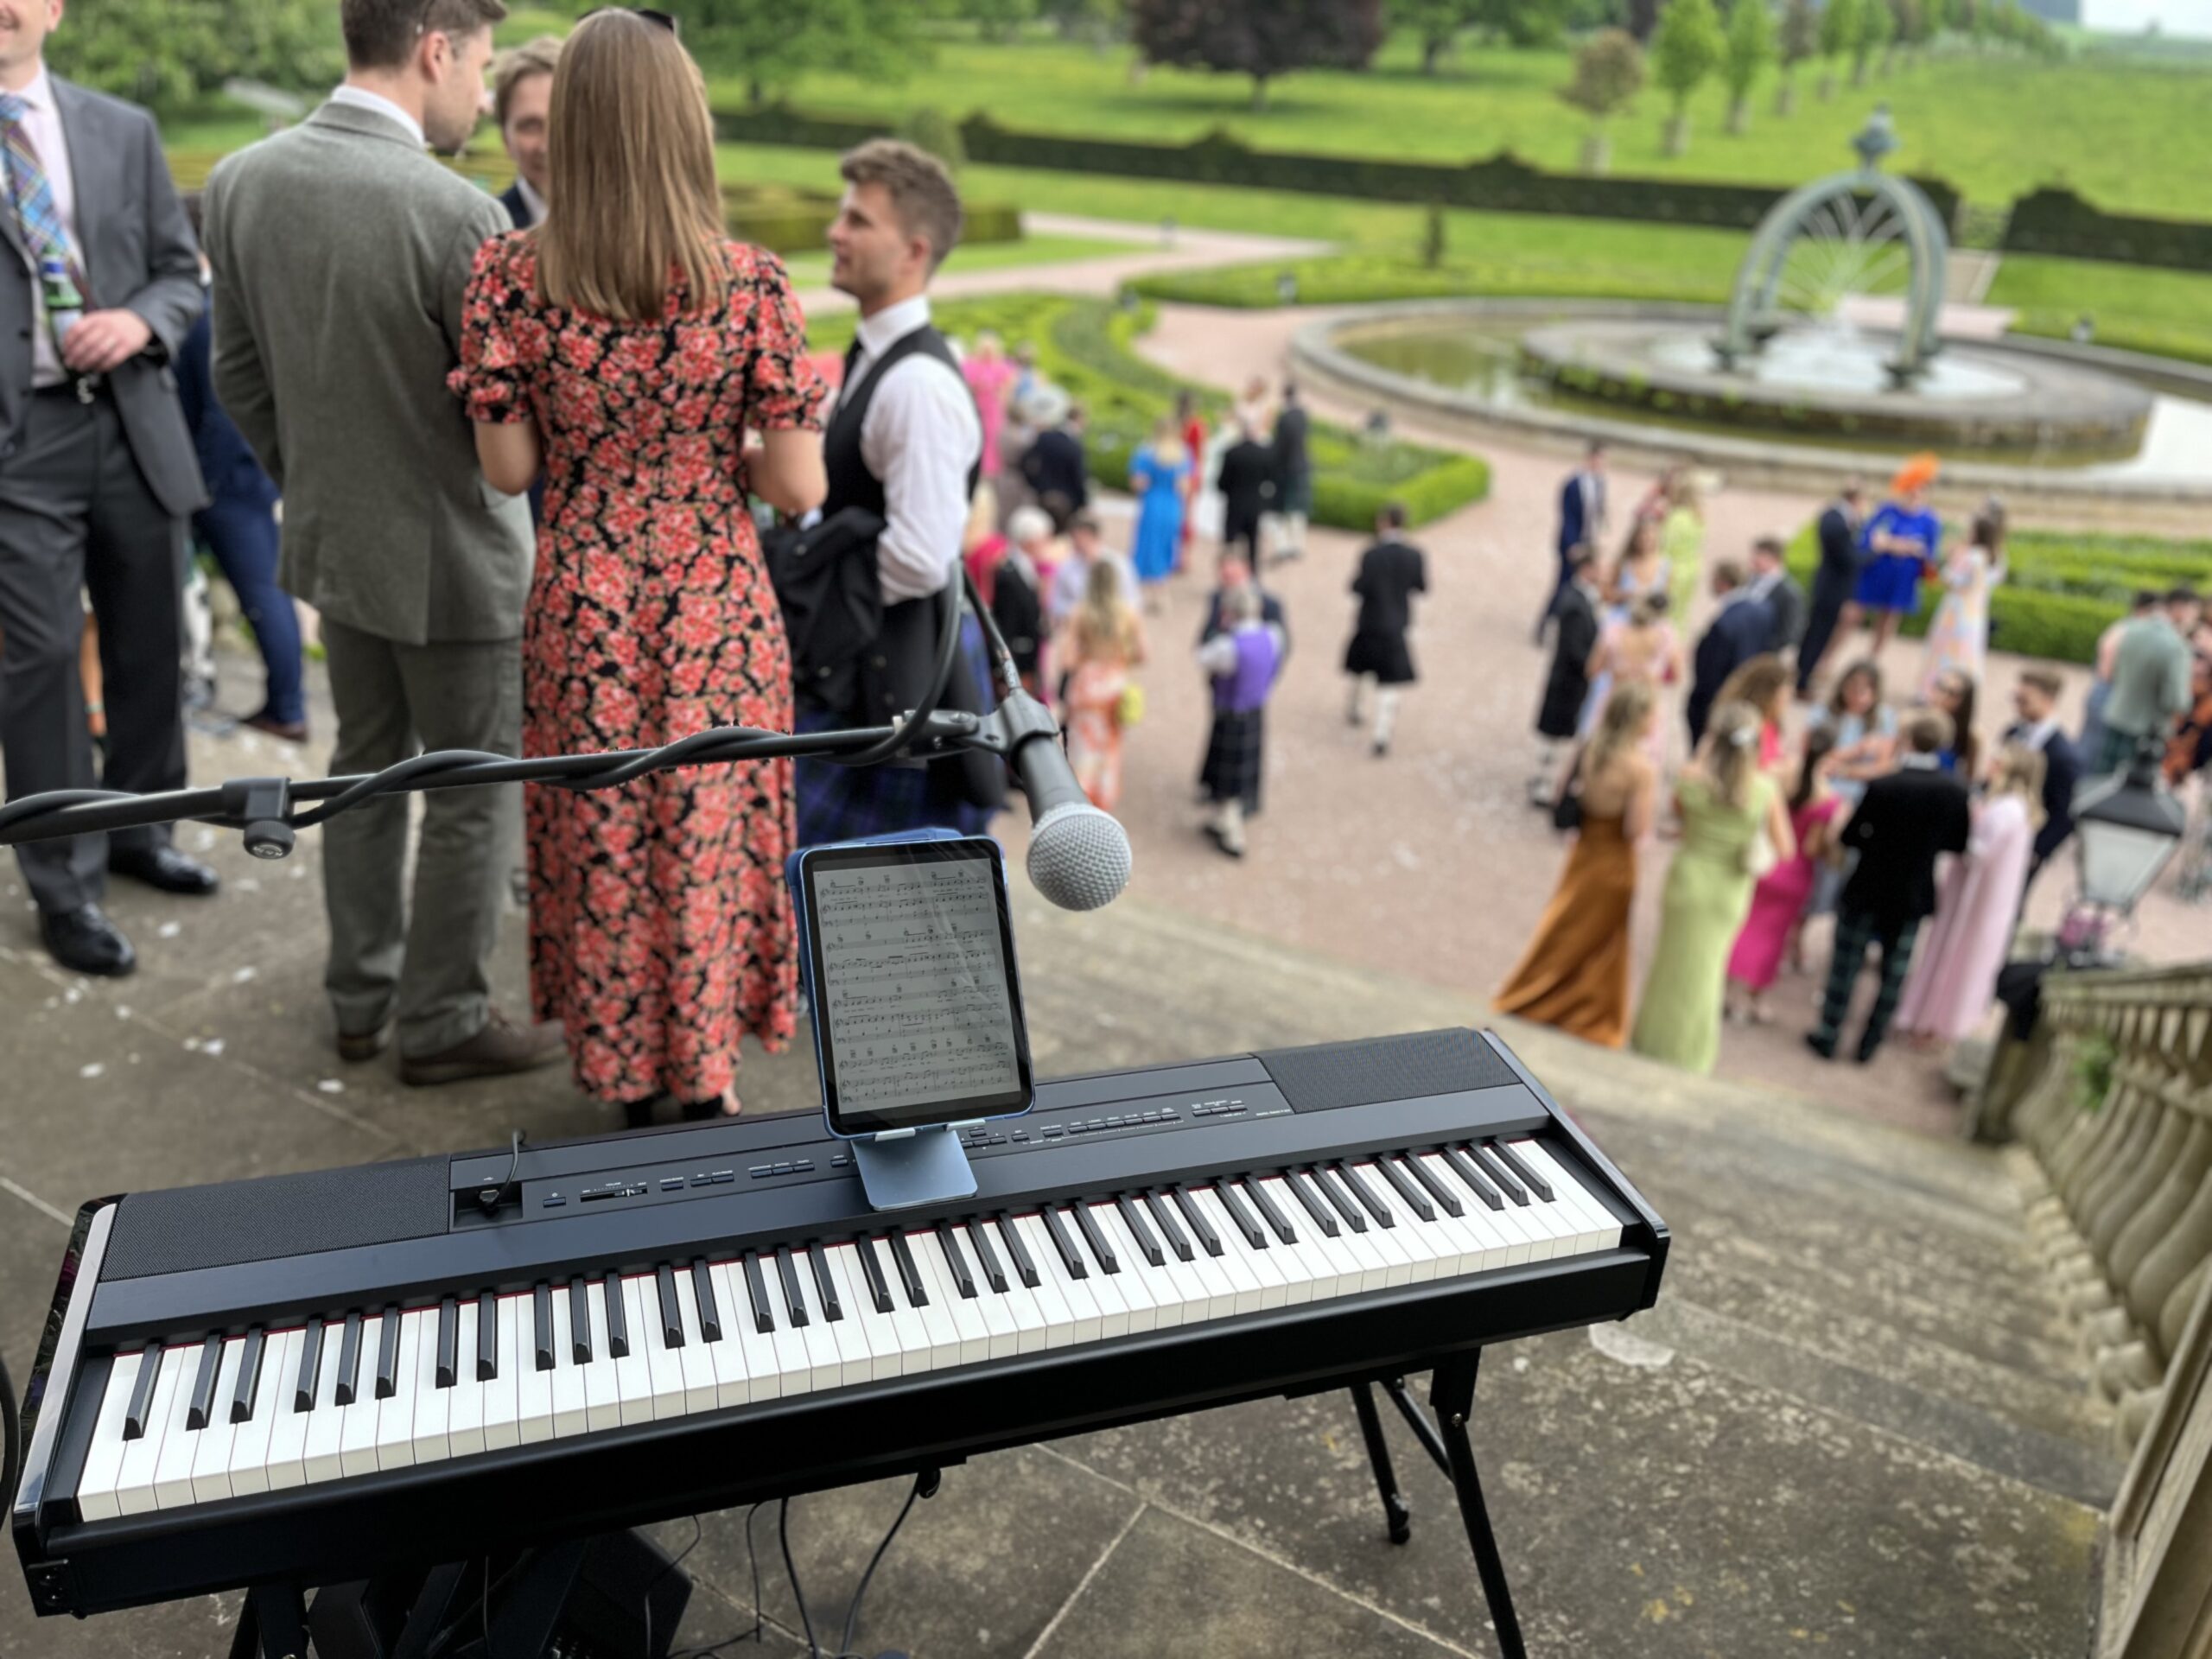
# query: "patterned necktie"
[32,196]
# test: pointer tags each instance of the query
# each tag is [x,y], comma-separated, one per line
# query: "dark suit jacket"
[1739,631]
[1246,483]
[139,256]
[1568,682]
[2061,775]
[226,461]
[518,209]
[1841,557]
[1903,821]
[1785,603]
[1289,440]
[1573,526]
[1053,465]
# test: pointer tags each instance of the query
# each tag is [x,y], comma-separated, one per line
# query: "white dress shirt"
[2035,737]
[360,98]
[921,439]
[42,126]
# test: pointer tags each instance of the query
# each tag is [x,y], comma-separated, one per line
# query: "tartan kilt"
[1235,757]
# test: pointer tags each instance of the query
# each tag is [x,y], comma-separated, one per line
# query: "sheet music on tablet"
[913,984]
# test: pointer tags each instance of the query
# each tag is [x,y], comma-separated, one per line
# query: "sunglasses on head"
[659,19]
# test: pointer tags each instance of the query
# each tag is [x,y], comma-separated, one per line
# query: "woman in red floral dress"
[626,347]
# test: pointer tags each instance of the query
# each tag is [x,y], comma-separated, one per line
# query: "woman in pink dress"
[1779,900]
[1954,976]
[1958,638]
[1105,641]
[990,374]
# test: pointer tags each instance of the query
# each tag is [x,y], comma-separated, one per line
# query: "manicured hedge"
[2055,220]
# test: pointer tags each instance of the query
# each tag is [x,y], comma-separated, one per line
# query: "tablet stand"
[901,1168]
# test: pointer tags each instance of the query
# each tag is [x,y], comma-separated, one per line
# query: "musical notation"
[913,984]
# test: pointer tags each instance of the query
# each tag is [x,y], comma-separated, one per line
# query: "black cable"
[948,651]
[860,1591]
[1009,676]
[11,1437]
[784,1538]
[758,1632]
[653,1583]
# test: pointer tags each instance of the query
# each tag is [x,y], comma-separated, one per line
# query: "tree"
[996,20]
[1750,48]
[1608,74]
[1840,27]
[1877,27]
[170,53]
[1437,24]
[1259,38]
[771,42]
[1686,50]
[1801,38]
[1096,21]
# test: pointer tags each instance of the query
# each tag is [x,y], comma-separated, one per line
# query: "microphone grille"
[1079,856]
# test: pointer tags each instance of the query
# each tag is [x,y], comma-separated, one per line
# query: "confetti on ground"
[170,930]
[93,1070]
[244,975]
[330,1086]
[212,1046]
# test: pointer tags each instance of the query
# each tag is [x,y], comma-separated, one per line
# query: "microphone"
[1079,856]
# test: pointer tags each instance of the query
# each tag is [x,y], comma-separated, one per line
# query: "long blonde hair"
[2019,771]
[1620,724]
[1732,755]
[1104,621]
[633,183]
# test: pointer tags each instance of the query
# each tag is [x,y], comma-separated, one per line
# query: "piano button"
[1484,1159]
[172,1470]
[1503,1152]
[448,1358]
[1163,1211]
[1340,1199]
[1086,1221]
[602,1393]
[1474,1180]
[465,1405]
[663,1359]
[285,1466]
[502,1427]
[1301,1187]
[671,1317]
[540,1326]
[1063,1246]
[396,1412]
[987,1258]
[1240,1215]
[733,1383]
[97,1481]
[433,1398]
[871,1268]
[1418,1167]
[1141,1236]
[1209,1241]
[201,1406]
[910,1281]
[534,1376]
[269,1406]
[580,1338]
[1357,1184]
[134,1487]
[704,1299]
[1017,1248]
[566,1380]
[698,1366]
[618,1318]
[141,1393]
[1256,1192]
[956,1262]
[625,1299]
[827,1295]
[794,1301]
[1409,1194]
[856,1363]
[756,1294]
[248,1388]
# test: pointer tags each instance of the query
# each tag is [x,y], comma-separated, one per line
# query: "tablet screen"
[918,1009]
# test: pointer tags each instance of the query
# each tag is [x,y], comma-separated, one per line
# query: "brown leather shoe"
[355,1046]
[500,1049]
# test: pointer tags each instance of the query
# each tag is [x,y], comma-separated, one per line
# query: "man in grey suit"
[341,251]
[99,284]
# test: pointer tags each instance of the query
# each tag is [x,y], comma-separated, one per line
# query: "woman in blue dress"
[1901,541]
[1156,476]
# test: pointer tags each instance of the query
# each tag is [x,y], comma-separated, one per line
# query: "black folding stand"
[1452,1397]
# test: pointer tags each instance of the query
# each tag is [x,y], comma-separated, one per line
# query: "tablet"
[908,947]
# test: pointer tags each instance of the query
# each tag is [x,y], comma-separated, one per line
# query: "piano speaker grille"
[193,1227]
[1421,1062]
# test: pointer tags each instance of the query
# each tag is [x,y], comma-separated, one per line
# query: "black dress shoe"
[83,941]
[167,869]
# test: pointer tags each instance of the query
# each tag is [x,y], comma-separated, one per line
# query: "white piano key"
[1136,1295]
[1260,1261]
[664,1363]
[356,1422]
[1161,1297]
[1297,1275]
[1600,1229]
[533,1388]
[321,1438]
[733,1383]
[134,1490]
[96,1485]
[973,1335]
[173,1472]
[566,1379]
[1082,1320]
[763,1365]
[395,1414]
[1251,1293]
[272,1401]
[1059,1319]
[465,1416]
[602,1394]
[503,1390]
[700,1387]
[1382,1241]
[211,1458]
[825,1366]
[1520,1237]
[1200,1291]
[1022,1304]
[856,1364]
[1113,1310]
[433,1405]
[1338,1270]
[1220,1289]
[884,1335]
[1491,1244]
[634,1372]
[1414,1239]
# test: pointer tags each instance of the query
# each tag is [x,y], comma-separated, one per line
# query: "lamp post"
[2126,827]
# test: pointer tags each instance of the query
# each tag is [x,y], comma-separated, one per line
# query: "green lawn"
[2168,312]
[2128,134]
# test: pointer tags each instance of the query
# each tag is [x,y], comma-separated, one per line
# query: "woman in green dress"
[1725,801]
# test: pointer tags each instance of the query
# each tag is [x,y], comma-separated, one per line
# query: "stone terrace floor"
[1854,1423]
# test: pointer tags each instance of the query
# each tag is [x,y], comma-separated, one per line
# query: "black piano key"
[310,1371]
[1403,1184]
[1419,1169]
[349,1363]
[794,1299]
[1301,1186]
[879,1293]
[964,1278]
[1140,1232]
[1473,1177]
[756,1291]
[710,1310]
[979,1239]
[671,1311]
[1486,1159]
[580,1321]
[448,1343]
[1519,1165]
[1240,1215]
[1017,1251]
[1369,1199]
[1278,1222]
[487,1337]
[1094,1236]
[618,1319]
[199,1413]
[825,1287]
[1070,1258]
[910,1277]
[388,1354]
[1339,1200]
[541,1302]
[141,1392]
[1163,1216]
[1200,1227]
[243,1396]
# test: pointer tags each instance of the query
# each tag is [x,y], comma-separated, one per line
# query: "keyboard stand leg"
[1379,1454]
[1452,1396]
[272,1623]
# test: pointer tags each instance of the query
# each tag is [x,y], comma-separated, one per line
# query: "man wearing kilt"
[1378,659]
[1244,660]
